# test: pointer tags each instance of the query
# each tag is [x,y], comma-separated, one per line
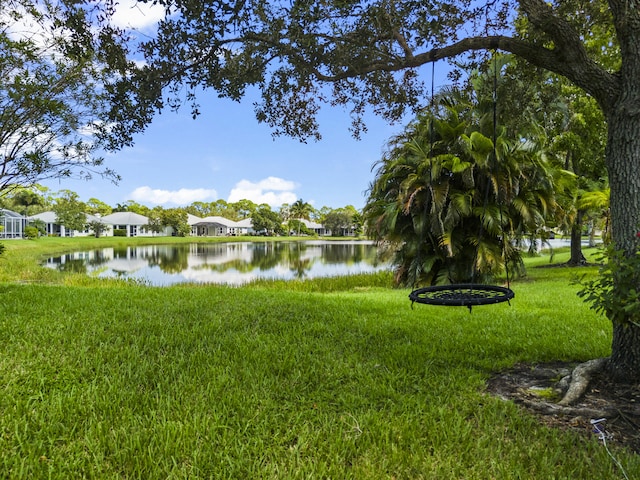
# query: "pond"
[232,263]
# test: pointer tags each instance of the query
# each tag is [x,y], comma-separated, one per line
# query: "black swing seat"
[461,295]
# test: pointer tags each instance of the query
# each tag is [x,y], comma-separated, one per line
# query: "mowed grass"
[334,378]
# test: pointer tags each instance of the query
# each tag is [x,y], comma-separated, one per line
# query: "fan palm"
[596,202]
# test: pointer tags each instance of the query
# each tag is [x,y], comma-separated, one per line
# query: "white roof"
[245,223]
[9,213]
[225,222]
[310,224]
[51,217]
[192,219]
[125,218]
[94,218]
[46,217]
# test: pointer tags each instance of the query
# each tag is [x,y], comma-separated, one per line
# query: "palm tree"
[596,203]
[576,131]
[299,210]
[450,201]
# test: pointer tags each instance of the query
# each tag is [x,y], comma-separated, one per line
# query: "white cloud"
[128,14]
[28,26]
[184,196]
[275,183]
[273,191]
[136,15]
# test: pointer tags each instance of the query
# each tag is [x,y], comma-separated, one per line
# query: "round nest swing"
[461,295]
[465,294]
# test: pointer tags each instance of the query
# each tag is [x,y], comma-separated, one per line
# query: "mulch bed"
[522,383]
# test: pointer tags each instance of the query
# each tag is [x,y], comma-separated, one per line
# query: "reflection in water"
[232,263]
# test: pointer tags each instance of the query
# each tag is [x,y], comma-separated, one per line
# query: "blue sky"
[226,154]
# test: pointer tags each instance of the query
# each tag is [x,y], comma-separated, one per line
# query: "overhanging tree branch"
[578,71]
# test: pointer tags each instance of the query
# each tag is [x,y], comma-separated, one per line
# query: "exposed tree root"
[535,387]
[580,378]
[555,409]
[574,387]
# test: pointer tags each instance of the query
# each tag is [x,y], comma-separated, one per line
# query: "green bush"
[183,230]
[31,232]
[119,232]
[614,292]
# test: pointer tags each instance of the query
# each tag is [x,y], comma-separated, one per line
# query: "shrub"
[615,291]
[31,232]
[119,232]
[97,227]
[183,230]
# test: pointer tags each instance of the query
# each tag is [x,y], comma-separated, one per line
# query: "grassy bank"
[320,379]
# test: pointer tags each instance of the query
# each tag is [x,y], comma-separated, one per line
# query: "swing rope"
[468,294]
[495,160]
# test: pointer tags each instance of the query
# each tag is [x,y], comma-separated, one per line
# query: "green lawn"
[335,378]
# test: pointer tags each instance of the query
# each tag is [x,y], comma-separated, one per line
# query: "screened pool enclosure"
[11,224]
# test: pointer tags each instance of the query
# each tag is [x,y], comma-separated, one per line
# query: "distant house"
[108,232]
[11,224]
[192,221]
[315,227]
[216,226]
[53,228]
[132,223]
[245,227]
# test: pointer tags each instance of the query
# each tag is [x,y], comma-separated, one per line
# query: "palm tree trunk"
[577,258]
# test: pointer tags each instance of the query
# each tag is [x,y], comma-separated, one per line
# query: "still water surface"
[233,263]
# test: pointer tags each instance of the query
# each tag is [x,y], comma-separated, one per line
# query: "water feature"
[233,263]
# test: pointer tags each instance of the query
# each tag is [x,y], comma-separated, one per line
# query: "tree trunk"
[624,363]
[577,258]
[623,164]
[592,234]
